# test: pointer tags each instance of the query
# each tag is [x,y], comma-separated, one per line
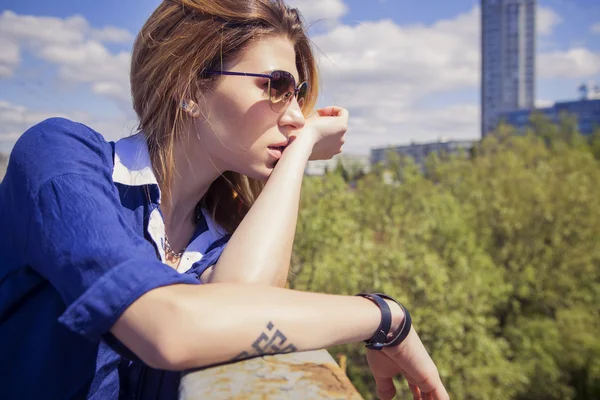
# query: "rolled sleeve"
[80,240]
[94,312]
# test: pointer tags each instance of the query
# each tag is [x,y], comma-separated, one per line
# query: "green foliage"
[350,171]
[595,144]
[496,253]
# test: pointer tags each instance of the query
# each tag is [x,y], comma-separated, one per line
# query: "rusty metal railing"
[307,375]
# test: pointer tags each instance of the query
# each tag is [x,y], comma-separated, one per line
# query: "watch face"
[375,346]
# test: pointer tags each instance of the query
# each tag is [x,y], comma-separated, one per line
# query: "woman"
[124,263]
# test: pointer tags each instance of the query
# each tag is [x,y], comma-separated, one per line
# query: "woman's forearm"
[260,249]
[187,326]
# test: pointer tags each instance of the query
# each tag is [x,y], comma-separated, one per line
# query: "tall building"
[507,58]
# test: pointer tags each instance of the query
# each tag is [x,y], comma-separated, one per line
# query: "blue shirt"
[80,240]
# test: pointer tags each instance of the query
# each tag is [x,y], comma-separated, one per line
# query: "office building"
[586,109]
[420,151]
[508,58]
[351,162]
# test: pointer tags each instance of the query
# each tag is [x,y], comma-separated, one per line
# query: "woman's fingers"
[385,388]
[332,111]
[418,368]
[383,369]
[439,393]
[436,395]
[415,392]
[418,394]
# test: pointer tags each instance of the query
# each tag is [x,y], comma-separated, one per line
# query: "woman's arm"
[179,327]
[260,249]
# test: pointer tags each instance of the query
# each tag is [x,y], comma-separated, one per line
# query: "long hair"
[180,40]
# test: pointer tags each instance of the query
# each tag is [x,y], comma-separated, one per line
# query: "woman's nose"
[293,115]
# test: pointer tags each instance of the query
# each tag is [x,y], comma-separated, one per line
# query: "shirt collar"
[132,162]
[133,167]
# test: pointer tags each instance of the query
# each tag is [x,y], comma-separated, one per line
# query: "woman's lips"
[276,151]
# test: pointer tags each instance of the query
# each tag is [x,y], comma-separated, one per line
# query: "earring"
[191,108]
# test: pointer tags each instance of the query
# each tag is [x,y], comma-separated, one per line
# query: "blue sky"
[406,69]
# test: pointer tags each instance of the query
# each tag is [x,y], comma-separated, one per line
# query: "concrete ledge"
[303,376]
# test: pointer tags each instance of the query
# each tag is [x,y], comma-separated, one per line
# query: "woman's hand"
[327,130]
[411,360]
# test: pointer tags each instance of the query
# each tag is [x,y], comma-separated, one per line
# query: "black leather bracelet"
[377,342]
[404,329]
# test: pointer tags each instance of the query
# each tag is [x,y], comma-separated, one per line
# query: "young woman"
[123,263]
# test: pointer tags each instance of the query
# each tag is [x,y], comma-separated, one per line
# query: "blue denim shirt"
[80,240]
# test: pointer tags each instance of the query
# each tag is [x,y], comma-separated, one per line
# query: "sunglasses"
[282,87]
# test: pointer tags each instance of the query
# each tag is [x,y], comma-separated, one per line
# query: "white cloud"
[575,63]
[9,57]
[381,71]
[412,124]
[73,46]
[546,20]
[316,10]
[16,119]
[42,30]
[404,61]
[110,34]
[90,62]
[73,29]
[595,28]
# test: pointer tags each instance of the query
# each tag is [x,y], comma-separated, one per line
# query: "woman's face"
[239,130]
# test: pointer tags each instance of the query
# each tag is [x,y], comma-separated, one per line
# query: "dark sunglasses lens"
[282,88]
[302,93]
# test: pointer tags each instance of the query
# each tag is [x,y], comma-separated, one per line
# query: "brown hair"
[179,41]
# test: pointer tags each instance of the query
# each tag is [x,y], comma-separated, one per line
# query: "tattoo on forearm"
[271,341]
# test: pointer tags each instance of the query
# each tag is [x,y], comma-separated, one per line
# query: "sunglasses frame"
[297,89]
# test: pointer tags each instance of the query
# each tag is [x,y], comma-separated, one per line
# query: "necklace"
[169,250]
[167,246]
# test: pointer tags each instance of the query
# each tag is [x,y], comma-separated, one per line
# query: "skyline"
[407,72]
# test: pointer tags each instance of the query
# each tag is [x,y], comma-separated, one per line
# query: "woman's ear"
[191,108]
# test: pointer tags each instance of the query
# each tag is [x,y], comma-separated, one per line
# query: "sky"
[407,70]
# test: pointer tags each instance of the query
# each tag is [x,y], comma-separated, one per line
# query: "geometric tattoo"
[269,342]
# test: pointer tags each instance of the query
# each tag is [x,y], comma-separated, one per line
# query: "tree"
[496,253]
[595,143]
